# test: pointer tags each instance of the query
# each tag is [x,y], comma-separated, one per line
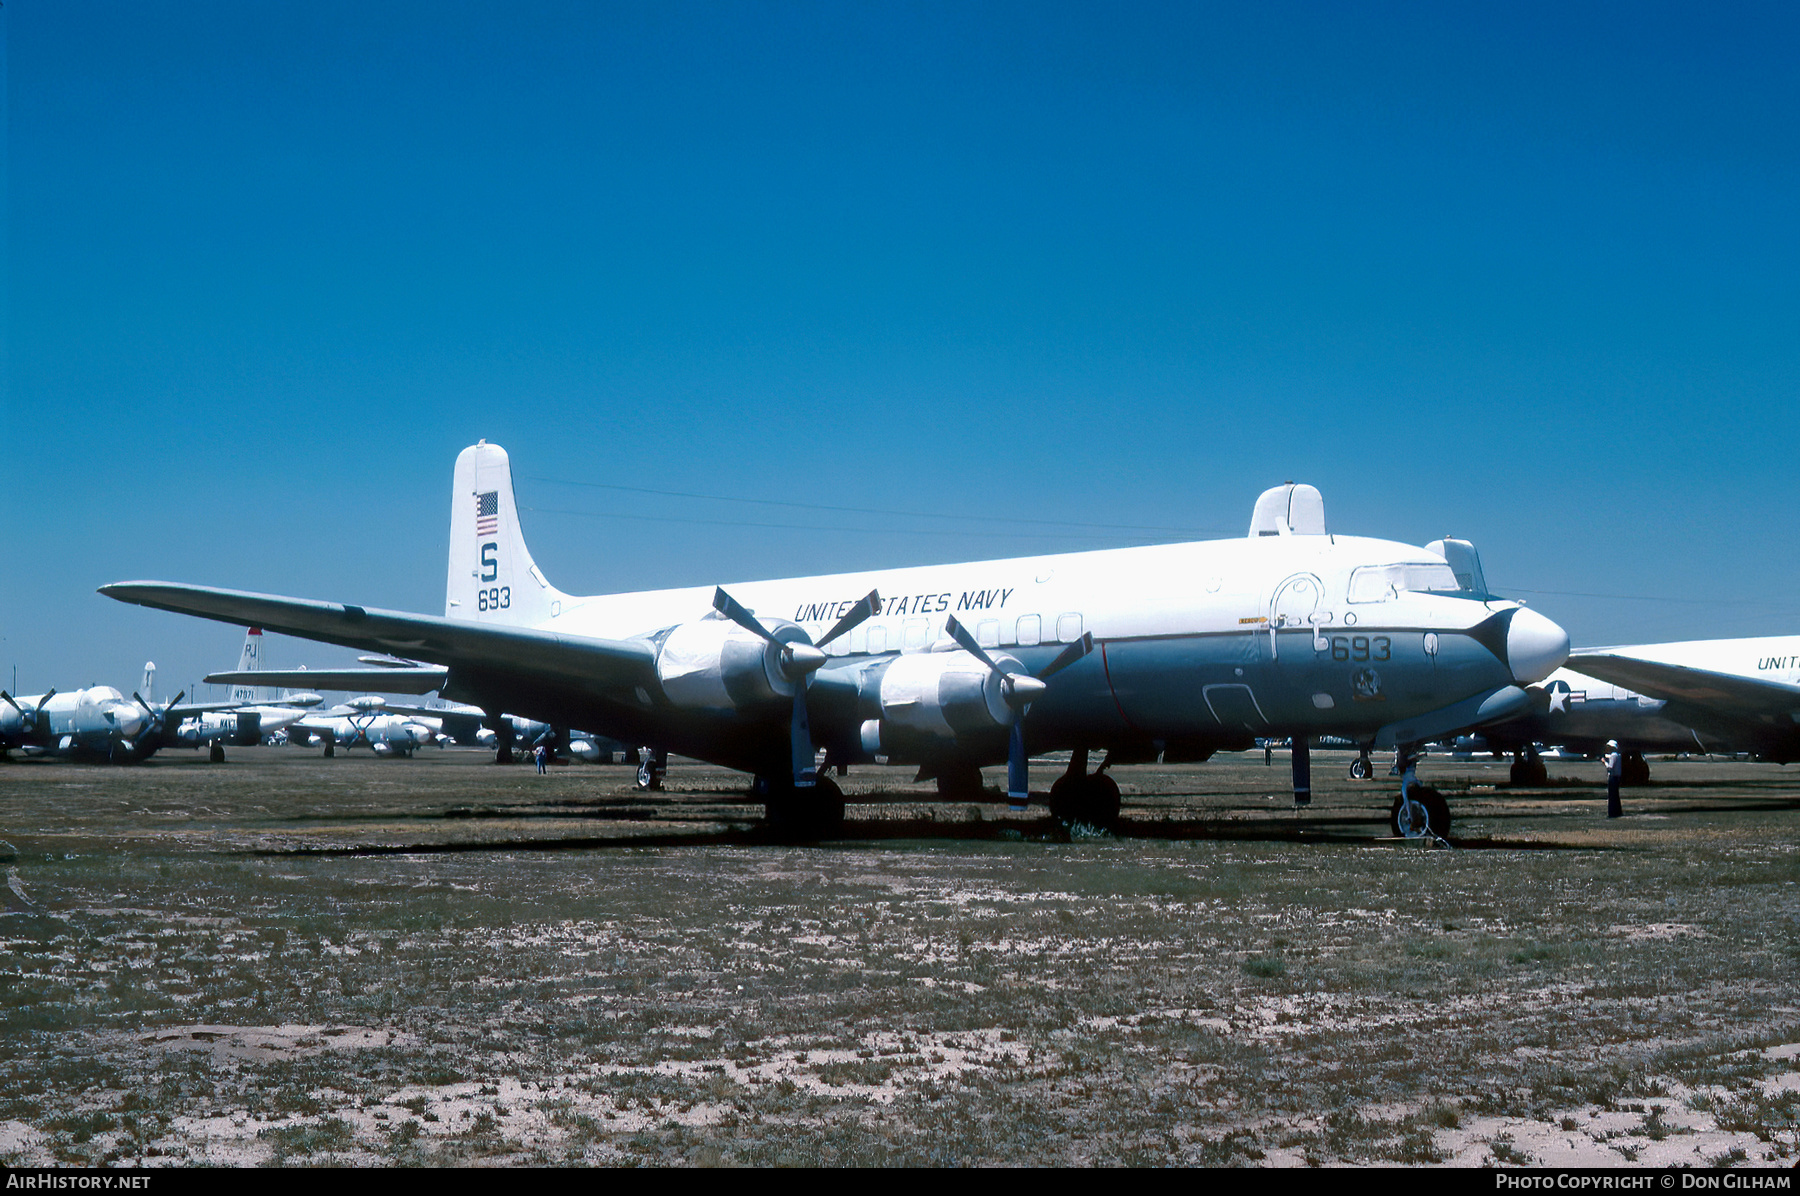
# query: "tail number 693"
[499,598]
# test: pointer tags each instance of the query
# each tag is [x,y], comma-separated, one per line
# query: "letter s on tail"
[492,578]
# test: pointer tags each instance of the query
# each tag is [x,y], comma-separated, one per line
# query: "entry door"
[1292,605]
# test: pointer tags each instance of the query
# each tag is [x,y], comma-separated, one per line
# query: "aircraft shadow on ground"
[744,829]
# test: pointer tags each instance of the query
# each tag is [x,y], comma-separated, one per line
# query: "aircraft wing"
[577,661]
[1725,692]
[416,680]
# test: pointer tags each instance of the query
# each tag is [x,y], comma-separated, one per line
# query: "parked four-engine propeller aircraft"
[458,722]
[1189,648]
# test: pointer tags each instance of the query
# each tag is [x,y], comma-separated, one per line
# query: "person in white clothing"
[1615,768]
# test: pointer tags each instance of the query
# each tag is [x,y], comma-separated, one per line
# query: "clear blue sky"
[1522,273]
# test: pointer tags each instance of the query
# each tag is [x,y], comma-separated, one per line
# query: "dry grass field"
[291,960]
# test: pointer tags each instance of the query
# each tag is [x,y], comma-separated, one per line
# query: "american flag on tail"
[487,513]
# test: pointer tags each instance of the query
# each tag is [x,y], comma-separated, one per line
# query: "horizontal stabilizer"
[417,679]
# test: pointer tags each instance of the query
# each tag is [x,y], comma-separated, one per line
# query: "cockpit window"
[1379,583]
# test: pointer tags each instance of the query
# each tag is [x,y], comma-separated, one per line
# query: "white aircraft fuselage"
[1199,646]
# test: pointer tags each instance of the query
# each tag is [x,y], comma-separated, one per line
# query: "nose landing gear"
[1420,811]
[652,764]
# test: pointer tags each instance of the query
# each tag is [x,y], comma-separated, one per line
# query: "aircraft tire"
[216,753]
[1360,769]
[647,779]
[1634,770]
[806,815]
[1438,809]
[1437,814]
[959,782]
[1092,800]
[1529,773]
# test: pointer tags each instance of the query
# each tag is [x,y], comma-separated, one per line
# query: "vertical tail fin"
[492,578]
[249,661]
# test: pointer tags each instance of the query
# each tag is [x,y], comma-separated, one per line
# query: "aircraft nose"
[1535,646]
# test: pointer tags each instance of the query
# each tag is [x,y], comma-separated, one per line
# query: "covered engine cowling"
[713,664]
[937,695]
[248,732]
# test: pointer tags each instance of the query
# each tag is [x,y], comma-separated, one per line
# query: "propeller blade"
[43,700]
[967,643]
[140,701]
[8,699]
[728,606]
[1018,765]
[1068,656]
[800,741]
[869,605]
[798,658]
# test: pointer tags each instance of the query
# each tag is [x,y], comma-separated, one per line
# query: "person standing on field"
[1615,769]
[538,754]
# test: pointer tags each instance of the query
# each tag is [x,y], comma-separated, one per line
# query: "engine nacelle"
[713,664]
[943,695]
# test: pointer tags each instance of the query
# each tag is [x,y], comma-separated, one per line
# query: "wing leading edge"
[578,662]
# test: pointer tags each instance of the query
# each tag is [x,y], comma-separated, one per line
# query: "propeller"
[25,716]
[33,720]
[1019,691]
[797,661]
[155,719]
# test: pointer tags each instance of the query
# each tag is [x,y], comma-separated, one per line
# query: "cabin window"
[1031,630]
[877,640]
[987,633]
[1380,583]
[1068,627]
[914,635]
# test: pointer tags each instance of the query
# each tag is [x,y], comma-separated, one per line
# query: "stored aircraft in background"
[364,721]
[96,723]
[458,722]
[1183,649]
[101,723]
[1709,696]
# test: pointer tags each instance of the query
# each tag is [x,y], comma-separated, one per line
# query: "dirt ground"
[292,960]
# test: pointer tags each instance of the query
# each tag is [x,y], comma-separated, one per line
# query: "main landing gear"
[802,813]
[1420,810]
[1528,768]
[1634,770]
[1362,768]
[1080,796]
[959,781]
